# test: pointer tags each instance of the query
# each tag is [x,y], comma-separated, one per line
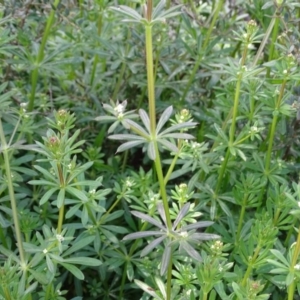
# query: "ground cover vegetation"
[149,149]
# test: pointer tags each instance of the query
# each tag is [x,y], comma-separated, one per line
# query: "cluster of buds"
[23,110]
[119,109]
[53,143]
[251,27]
[217,248]
[61,117]
[254,287]
[183,116]
[181,193]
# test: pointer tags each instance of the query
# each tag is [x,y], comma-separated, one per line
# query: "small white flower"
[59,237]
[297,267]
[45,251]
[119,108]
[285,72]
[92,192]
[23,105]
[184,234]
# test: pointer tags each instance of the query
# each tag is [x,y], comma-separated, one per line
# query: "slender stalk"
[250,266]
[263,43]
[99,29]
[273,128]
[62,208]
[123,67]
[203,49]
[291,287]
[12,195]
[120,80]
[40,56]
[152,117]
[273,41]
[242,215]
[234,113]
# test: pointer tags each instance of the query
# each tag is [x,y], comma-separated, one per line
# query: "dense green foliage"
[149,150]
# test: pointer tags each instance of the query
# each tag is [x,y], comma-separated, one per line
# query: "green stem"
[250,265]
[234,113]
[291,287]
[273,129]
[12,195]
[96,57]
[203,49]
[169,278]
[242,214]
[263,43]
[61,213]
[120,80]
[152,116]
[272,52]
[35,72]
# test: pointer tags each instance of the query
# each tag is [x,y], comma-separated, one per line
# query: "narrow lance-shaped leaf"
[165,117]
[137,128]
[178,127]
[165,260]
[145,119]
[127,11]
[184,210]
[129,145]
[151,151]
[152,245]
[148,219]
[170,146]
[190,250]
[132,137]
[141,234]
[161,211]
[147,289]
[197,225]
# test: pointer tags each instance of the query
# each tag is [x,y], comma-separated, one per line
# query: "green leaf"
[47,195]
[165,117]
[72,211]
[128,12]
[74,270]
[61,198]
[147,289]
[39,276]
[85,261]
[279,256]
[82,242]
[77,193]
[115,228]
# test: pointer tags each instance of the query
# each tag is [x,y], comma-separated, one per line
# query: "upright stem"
[291,288]
[152,117]
[250,266]
[242,214]
[234,113]
[12,195]
[203,49]
[273,128]
[273,41]
[35,72]
[62,208]
[99,29]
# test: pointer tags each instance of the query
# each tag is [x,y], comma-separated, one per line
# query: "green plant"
[118,139]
